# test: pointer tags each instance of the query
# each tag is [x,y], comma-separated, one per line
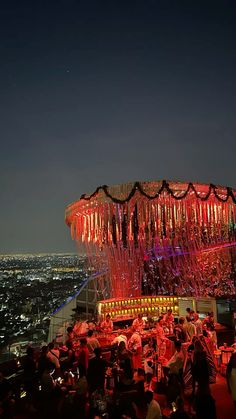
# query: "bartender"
[107,324]
[138,323]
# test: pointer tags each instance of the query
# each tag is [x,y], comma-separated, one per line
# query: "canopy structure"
[160,237]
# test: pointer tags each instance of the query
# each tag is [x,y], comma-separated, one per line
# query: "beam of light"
[179,253]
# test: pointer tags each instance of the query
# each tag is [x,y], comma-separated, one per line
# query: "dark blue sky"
[104,92]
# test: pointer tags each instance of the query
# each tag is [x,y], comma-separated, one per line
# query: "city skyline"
[104,93]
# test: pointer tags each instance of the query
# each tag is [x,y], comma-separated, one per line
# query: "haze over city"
[99,93]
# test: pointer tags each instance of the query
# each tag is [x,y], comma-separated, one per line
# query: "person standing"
[92,343]
[169,319]
[83,354]
[54,356]
[135,346]
[107,324]
[160,337]
[138,323]
[154,410]
[179,331]
[96,372]
[231,376]
[176,363]
[198,325]
[189,329]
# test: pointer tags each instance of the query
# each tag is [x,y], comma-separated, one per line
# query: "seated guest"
[154,410]
[138,323]
[92,343]
[189,329]
[179,331]
[107,324]
[96,372]
[135,346]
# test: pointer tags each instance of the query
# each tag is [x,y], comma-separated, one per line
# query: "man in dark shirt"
[179,331]
[96,371]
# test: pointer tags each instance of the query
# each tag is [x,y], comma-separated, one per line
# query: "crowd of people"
[80,380]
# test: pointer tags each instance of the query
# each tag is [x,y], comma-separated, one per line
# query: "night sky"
[105,92]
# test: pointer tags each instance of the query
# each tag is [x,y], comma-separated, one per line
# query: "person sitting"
[107,324]
[154,410]
[138,323]
[92,343]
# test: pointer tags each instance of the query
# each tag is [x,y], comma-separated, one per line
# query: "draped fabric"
[160,237]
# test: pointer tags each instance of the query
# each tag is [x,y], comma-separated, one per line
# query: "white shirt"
[107,326]
[118,339]
[198,325]
[135,341]
[176,362]
[190,330]
[138,325]
[154,410]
